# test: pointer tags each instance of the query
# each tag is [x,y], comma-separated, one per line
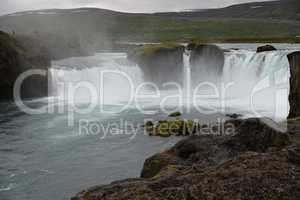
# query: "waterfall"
[246,68]
[187,73]
[251,79]
[106,78]
[259,80]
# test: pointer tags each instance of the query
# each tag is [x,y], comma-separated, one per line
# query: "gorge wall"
[294,97]
[160,63]
[207,63]
[17,57]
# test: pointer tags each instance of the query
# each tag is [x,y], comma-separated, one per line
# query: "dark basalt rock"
[203,167]
[160,63]
[250,175]
[294,97]
[265,48]
[258,135]
[156,163]
[175,114]
[234,115]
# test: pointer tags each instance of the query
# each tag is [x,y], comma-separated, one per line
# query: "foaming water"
[252,82]
[187,73]
[105,78]
[258,81]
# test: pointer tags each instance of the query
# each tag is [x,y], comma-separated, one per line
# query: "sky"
[11,6]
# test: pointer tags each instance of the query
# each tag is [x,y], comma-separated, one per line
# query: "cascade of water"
[187,73]
[108,80]
[246,68]
[259,81]
[248,71]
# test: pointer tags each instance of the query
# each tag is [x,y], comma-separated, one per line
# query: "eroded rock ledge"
[160,63]
[258,162]
[207,61]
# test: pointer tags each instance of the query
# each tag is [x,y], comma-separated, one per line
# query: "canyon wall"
[160,63]
[17,57]
[294,97]
[207,63]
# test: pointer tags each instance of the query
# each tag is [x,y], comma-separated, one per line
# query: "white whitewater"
[259,81]
[187,73]
[105,78]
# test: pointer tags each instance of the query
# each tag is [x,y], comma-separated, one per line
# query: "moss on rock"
[177,127]
[175,114]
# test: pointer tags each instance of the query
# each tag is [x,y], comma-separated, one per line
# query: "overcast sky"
[10,6]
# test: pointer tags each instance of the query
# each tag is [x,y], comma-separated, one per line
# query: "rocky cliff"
[258,162]
[16,57]
[294,97]
[160,63]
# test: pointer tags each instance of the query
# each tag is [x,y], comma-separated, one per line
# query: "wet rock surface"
[258,162]
[234,115]
[177,127]
[294,97]
[160,63]
[265,48]
[207,61]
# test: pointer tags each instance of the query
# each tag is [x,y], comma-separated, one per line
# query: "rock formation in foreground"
[294,97]
[258,162]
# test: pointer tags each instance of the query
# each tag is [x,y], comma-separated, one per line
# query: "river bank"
[257,162]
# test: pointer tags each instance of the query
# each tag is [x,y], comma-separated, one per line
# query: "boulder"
[175,114]
[177,127]
[257,135]
[294,96]
[265,48]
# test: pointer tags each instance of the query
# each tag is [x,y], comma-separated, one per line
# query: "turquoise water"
[43,158]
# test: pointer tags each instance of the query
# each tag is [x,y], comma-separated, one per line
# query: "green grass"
[151,48]
[156,29]
[246,40]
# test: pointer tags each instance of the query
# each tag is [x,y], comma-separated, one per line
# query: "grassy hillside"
[89,29]
[274,10]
